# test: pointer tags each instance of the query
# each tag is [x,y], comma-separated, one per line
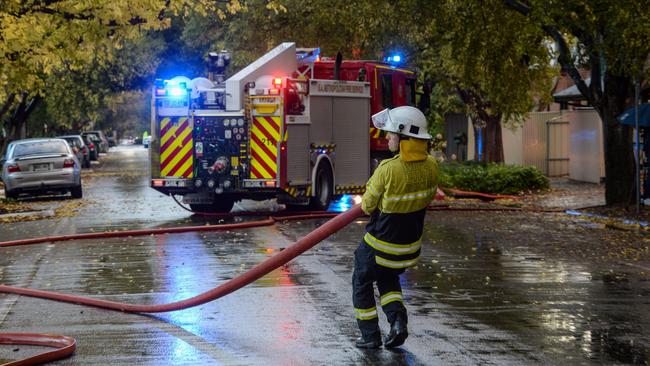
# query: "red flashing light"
[269,183]
[277,82]
[318,58]
[158,183]
[13,168]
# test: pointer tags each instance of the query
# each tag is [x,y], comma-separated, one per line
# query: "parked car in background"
[79,147]
[92,141]
[40,166]
[102,146]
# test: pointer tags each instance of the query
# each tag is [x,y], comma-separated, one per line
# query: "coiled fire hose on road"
[65,346]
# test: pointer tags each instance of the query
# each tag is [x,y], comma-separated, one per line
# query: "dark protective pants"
[367,271]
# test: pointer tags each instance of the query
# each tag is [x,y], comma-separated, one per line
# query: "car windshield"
[39,148]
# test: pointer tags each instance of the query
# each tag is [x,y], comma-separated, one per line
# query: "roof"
[34,139]
[571,94]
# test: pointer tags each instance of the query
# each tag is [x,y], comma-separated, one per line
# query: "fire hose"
[66,345]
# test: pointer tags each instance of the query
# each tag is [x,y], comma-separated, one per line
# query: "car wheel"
[77,192]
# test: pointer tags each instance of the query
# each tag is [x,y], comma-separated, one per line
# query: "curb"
[38,214]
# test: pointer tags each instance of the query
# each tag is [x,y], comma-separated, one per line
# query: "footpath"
[586,200]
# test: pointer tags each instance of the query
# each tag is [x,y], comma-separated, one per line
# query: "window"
[387,90]
[74,142]
[40,147]
[410,92]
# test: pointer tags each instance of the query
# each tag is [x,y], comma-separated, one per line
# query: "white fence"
[557,143]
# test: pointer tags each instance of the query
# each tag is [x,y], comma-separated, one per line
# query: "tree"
[494,60]
[42,40]
[364,29]
[84,98]
[614,40]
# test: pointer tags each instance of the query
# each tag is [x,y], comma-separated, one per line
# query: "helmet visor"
[382,121]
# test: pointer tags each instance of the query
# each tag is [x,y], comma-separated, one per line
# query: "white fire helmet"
[407,121]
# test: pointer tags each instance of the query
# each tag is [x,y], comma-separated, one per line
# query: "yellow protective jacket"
[396,199]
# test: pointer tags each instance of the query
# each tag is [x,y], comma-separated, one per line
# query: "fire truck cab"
[288,126]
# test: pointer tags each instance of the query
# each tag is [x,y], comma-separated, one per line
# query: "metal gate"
[557,148]
[546,143]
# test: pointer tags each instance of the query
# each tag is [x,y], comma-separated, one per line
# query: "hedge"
[492,178]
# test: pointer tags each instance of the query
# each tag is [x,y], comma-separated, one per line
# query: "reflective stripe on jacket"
[396,198]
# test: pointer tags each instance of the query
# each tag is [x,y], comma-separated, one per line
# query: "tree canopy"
[84,62]
[68,49]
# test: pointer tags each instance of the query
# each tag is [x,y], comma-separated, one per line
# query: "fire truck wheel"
[324,188]
[220,205]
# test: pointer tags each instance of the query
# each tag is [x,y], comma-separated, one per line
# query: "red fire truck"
[289,126]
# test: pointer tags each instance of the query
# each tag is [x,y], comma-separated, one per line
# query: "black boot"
[374,342]
[398,333]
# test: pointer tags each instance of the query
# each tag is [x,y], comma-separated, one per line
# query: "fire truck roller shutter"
[176,148]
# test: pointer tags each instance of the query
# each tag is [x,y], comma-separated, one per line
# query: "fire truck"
[290,126]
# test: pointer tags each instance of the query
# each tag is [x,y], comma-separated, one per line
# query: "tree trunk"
[620,187]
[493,143]
[17,122]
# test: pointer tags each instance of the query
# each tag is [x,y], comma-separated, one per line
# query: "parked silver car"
[40,166]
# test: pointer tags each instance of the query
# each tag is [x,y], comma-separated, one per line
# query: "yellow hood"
[413,149]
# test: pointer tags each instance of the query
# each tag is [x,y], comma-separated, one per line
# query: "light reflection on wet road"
[477,297]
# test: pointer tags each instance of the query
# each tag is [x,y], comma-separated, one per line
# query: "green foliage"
[617,31]
[364,29]
[73,53]
[492,178]
[127,112]
[494,54]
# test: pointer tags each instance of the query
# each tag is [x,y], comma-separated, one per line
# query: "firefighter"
[396,198]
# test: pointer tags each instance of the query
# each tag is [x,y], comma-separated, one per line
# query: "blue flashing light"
[177,91]
[343,204]
[393,59]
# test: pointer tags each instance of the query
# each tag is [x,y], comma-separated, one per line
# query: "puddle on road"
[571,313]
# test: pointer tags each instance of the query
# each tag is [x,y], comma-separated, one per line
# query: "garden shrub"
[492,177]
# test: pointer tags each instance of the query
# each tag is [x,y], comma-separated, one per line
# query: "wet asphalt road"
[482,295]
